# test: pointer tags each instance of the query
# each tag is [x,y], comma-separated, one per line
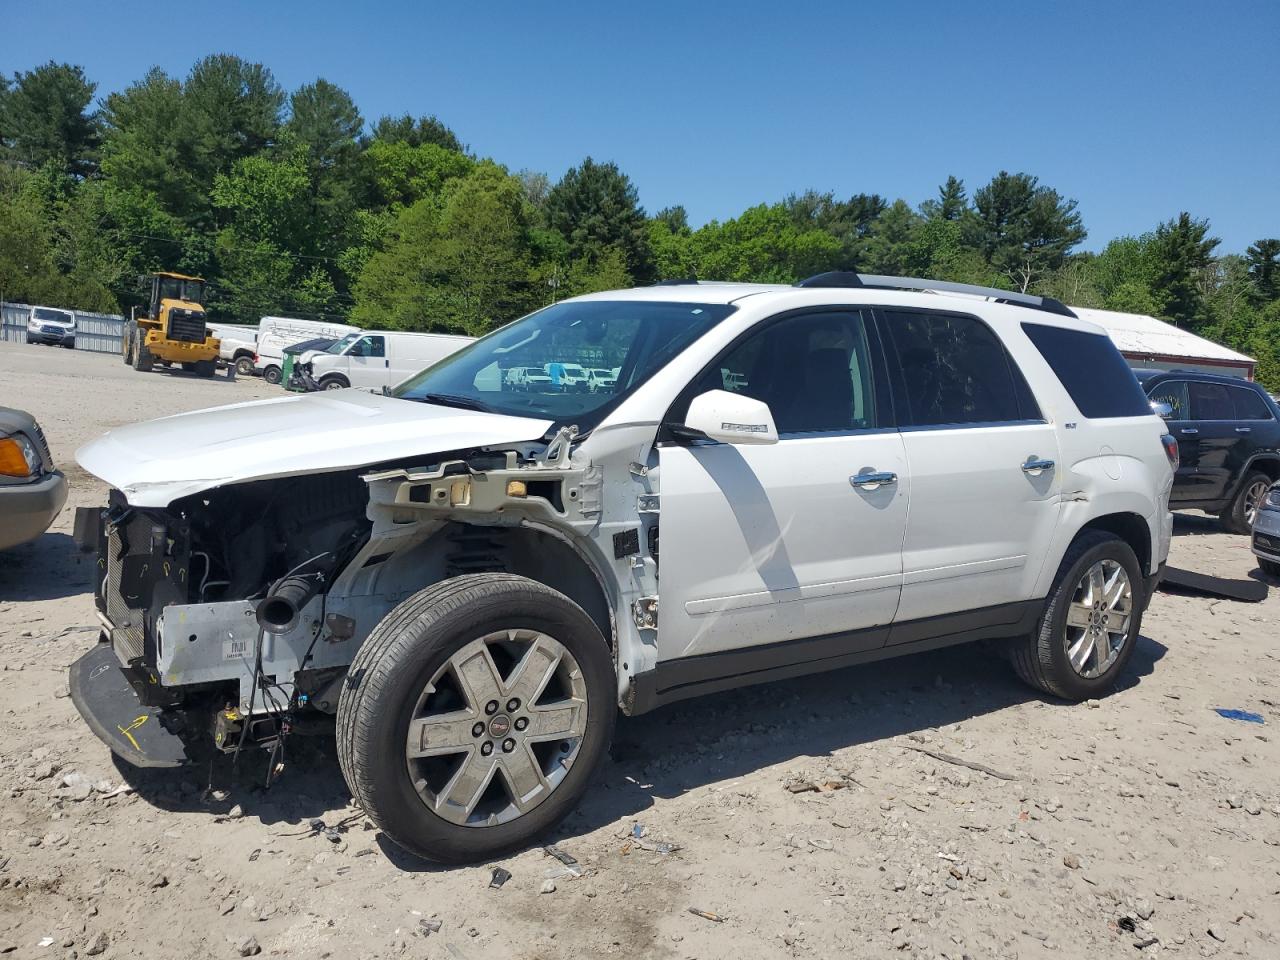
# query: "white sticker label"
[235,649]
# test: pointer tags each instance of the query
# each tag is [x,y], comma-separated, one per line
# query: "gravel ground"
[1142,821]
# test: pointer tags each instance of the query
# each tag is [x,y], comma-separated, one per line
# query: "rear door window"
[1249,406]
[956,371]
[1210,401]
[1092,370]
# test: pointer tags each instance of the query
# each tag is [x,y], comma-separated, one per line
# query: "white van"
[237,345]
[276,333]
[374,359]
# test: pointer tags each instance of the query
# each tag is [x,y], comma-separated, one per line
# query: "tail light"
[1171,450]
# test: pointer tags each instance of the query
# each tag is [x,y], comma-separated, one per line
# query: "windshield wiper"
[453,400]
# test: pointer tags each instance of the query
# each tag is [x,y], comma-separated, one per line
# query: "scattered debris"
[499,877]
[706,915]
[553,851]
[430,926]
[1244,716]
[947,758]
[1216,935]
[248,947]
[811,786]
[1148,942]
[548,886]
[1127,924]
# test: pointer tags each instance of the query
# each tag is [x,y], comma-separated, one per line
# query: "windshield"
[59,316]
[173,288]
[536,366]
[338,346]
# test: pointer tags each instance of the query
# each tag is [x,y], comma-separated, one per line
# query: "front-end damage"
[234,613]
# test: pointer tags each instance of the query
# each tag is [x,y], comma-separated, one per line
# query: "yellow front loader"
[171,329]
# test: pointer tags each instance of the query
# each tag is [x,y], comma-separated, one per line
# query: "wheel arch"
[1129,527]
[1268,463]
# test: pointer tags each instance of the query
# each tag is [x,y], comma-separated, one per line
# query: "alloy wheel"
[1253,497]
[1099,618]
[497,728]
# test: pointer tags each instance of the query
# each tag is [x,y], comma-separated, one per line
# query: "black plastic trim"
[685,677]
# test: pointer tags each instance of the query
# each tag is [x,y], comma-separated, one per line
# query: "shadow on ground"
[48,568]
[670,751]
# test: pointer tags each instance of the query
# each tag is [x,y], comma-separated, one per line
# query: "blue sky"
[1136,109]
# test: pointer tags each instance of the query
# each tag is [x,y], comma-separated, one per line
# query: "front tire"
[1090,623]
[1238,518]
[244,366]
[143,359]
[474,716]
[335,382]
[1270,567]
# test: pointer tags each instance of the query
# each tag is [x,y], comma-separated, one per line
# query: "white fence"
[99,332]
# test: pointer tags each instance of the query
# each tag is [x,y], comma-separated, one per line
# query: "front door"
[984,471]
[773,543]
[1182,429]
[368,357]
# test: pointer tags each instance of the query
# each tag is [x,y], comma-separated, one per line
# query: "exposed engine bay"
[236,612]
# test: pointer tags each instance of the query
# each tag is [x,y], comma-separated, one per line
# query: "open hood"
[158,462]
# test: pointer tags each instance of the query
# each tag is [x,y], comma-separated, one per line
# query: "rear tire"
[413,655]
[126,344]
[1238,518]
[1084,658]
[271,375]
[204,368]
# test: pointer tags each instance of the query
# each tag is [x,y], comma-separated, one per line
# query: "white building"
[1148,342]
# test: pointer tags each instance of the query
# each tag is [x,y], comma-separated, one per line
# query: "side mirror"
[1160,409]
[731,418]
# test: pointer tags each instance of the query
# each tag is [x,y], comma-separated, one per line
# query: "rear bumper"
[137,734]
[27,509]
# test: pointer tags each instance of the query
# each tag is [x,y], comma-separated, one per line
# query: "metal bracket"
[559,449]
[649,503]
[638,469]
[645,613]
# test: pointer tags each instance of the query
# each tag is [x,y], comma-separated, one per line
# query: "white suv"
[469,576]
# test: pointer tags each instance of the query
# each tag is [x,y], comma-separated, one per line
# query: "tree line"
[295,204]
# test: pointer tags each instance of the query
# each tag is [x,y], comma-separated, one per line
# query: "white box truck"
[276,333]
[373,359]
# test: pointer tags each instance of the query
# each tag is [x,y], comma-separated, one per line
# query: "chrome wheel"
[1099,618]
[1254,494]
[497,728]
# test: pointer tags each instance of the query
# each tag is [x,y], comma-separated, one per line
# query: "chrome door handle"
[1189,430]
[1035,466]
[1244,429]
[871,480]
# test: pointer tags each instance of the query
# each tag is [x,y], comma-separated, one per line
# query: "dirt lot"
[1143,821]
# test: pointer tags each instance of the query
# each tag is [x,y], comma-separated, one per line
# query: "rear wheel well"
[1264,465]
[241,353]
[1130,528]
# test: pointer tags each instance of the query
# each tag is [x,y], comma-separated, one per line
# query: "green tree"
[1181,251]
[1024,230]
[763,244]
[28,271]
[403,173]
[889,248]
[45,119]
[595,207]
[1264,268]
[415,133]
[460,261]
[951,204]
[325,119]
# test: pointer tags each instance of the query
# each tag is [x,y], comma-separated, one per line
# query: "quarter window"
[955,370]
[814,372]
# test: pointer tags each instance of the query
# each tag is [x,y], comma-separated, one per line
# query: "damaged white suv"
[468,575]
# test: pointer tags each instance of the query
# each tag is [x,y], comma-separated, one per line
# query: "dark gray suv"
[1228,433]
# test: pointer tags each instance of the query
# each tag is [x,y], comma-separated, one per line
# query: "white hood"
[158,462]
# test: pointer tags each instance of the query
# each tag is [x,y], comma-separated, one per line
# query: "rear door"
[984,478]
[1214,428]
[798,539]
